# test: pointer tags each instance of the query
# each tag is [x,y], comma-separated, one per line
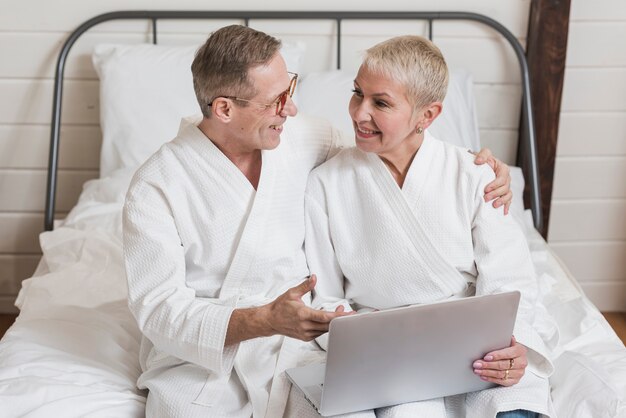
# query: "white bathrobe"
[375,245]
[199,241]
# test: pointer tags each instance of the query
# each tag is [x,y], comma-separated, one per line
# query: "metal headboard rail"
[528,125]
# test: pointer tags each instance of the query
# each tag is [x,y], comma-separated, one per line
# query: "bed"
[73,350]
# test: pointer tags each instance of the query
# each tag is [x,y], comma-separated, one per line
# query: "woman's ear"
[428,114]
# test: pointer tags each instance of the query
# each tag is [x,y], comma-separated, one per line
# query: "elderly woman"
[401,220]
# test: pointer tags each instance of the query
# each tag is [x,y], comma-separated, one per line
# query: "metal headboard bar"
[154,31]
[339,44]
[527,114]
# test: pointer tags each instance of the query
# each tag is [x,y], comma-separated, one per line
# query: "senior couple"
[220,278]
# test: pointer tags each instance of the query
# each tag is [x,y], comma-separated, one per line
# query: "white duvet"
[73,351]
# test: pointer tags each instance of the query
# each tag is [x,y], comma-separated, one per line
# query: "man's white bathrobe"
[199,241]
[375,245]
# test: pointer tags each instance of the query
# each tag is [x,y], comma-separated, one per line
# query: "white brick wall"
[588,219]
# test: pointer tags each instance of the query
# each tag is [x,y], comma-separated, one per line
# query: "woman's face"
[383,119]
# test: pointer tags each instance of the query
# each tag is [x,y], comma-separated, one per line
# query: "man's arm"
[167,311]
[498,190]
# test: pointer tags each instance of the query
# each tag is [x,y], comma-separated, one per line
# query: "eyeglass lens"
[282,100]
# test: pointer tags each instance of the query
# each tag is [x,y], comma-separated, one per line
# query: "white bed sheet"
[73,350]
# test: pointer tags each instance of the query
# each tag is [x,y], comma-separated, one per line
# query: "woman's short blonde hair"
[413,61]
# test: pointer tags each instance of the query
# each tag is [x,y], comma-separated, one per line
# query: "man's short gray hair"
[221,65]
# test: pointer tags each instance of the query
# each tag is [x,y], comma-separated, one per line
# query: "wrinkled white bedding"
[73,351]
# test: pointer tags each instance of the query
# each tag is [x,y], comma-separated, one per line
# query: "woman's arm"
[329,292]
[504,264]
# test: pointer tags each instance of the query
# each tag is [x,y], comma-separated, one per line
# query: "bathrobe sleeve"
[339,140]
[320,254]
[168,312]
[503,263]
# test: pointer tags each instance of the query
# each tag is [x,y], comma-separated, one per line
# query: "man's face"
[256,126]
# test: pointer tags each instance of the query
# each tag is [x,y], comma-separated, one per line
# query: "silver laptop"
[407,354]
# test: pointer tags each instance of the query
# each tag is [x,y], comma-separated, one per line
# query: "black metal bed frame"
[527,141]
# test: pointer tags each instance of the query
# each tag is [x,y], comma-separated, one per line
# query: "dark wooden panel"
[617,320]
[547,44]
[6,320]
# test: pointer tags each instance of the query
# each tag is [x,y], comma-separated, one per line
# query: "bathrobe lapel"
[234,292]
[234,285]
[403,204]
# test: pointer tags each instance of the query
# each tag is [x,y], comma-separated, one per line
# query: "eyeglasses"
[280,101]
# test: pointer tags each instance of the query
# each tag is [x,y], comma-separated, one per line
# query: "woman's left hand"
[500,188]
[504,367]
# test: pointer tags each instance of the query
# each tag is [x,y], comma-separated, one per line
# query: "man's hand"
[500,188]
[288,315]
[504,367]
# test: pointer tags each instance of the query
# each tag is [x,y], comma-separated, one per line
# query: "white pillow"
[327,94]
[458,123]
[145,90]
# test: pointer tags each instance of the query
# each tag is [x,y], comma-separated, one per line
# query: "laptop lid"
[413,353]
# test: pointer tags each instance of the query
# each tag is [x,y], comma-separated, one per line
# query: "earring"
[419,130]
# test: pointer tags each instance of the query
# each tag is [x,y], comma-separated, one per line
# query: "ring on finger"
[511,363]
[506,375]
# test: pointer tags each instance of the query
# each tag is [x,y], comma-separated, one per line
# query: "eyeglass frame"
[279,102]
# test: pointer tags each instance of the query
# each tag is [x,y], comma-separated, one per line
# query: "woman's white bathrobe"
[374,245]
[199,241]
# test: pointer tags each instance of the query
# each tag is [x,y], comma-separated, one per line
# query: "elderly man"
[213,238]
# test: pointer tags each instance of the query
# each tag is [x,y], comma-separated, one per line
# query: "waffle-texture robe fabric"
[200,241]
[374,245]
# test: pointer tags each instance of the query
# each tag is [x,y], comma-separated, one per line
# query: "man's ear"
[222,109]
[429,113]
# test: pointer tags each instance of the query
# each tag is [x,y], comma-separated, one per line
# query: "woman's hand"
[500,188]
[504,367]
